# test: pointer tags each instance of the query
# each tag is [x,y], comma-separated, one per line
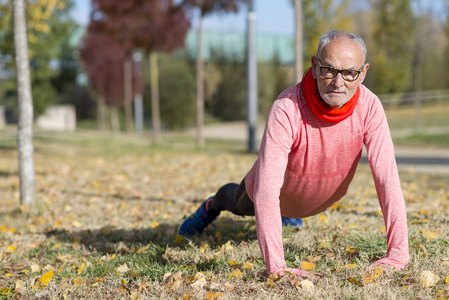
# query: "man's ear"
[363,74]
[314,66]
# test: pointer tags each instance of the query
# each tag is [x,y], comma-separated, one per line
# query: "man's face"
[341,54]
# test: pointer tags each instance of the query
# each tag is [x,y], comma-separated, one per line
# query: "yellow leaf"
[447,279]
[351,266]
[247,265]
[56,246]
[154,225]
[6,291]
[11,249]
[214,295]
[305,265]
[324,245]
[232,263]
[323,219]
[178,238]
[45,279]
[236,274]
[141,249]
[77,281]
[431,235]
[81,268]
[240,235]
[8,274]
[351,250]
[204,246]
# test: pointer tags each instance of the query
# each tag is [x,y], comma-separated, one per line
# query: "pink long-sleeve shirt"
[305,165]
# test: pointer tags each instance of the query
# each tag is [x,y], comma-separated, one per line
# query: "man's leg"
[231,197]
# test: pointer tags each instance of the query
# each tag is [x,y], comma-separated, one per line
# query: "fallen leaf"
[229,287]
[214,295]
[351,266]
[305,265]
[447,279]
[235,274]
[431,235]
[122,269]
[81,268]
[20,284]
[35,268]
[307,285]
[142,249]
[45,279]
[77,281]
[6,291]
[428,279]
[11,249]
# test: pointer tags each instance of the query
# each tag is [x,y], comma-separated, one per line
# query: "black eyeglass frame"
[359,71]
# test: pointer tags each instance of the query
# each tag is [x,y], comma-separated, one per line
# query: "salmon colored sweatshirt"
[305,165]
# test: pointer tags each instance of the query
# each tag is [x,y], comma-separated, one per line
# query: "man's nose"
[338,81]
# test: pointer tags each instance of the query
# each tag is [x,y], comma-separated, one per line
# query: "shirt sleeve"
[269,177]
[383,166]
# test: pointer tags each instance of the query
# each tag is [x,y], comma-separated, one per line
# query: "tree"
[299,69]
[205,7]
[25,126]
[48,28]
[393,38]
[102,60]
[154,25]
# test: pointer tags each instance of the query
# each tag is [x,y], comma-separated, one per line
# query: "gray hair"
[333,34]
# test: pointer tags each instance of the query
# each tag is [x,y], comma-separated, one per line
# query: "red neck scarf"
[319,108]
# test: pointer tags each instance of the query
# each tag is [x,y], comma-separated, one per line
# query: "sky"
[272,16]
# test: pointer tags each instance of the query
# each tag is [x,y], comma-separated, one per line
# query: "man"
[309,153]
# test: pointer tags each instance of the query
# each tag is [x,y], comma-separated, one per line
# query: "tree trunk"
[25,102]
[199,86]
[101,114]
[128,90]
[155,110]
[299,68]
[115,122]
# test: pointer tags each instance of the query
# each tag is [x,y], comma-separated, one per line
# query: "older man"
[310,150]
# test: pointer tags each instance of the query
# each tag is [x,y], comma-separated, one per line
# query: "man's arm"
[269,177]
[385,174]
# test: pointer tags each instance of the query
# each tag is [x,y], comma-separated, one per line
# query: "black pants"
[232,197]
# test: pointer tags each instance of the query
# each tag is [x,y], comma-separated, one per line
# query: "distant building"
[233,45]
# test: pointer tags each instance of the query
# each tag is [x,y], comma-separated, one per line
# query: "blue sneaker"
[293,222]
[196,223]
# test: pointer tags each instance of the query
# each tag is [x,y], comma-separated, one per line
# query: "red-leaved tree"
[102,60]
[151,25]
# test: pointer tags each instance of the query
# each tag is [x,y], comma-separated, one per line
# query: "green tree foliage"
[177,96]
[321,16]
[49,31]
[392,52]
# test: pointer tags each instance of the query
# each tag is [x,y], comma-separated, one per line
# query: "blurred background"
[127,66]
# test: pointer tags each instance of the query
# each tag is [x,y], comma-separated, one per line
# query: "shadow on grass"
[108,240]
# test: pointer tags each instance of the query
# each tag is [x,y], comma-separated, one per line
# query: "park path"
[421,159]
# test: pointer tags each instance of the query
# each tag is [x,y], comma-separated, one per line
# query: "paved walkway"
[425,160]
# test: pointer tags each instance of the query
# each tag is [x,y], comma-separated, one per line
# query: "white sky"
[273,16]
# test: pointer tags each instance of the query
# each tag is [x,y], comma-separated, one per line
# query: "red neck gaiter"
[319,108]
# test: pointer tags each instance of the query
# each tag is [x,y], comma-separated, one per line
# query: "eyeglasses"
[331,72]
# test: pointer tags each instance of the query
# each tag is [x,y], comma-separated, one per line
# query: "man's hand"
[302,274]
[387,269]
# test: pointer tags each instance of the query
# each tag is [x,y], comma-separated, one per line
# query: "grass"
[425,139]
[108,209]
